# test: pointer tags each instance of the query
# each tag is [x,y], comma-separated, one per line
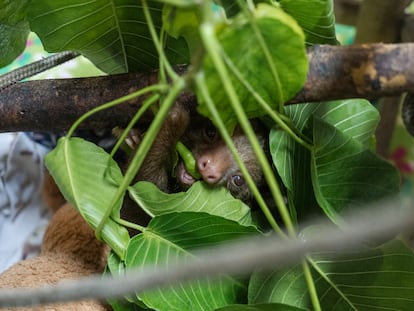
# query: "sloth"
[214,160]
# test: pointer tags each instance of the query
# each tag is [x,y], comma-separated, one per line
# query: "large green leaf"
[261,307]
[356,118]
[276,79]
[89,178]
[14,29]
[347,174]
[316,17]
[199,198]
[172,237]
[379,279]
[113,34]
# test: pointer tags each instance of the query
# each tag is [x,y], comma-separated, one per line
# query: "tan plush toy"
[69,251]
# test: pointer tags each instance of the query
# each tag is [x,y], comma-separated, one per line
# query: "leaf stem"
[151,88]
[265,49]
[324,275]
[128,224]
[277,117]
[145,105]
[137,160]
[212,46]
[311,286]
[157,41]
[226,137]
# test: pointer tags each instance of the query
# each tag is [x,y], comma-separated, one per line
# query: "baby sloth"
[214,159]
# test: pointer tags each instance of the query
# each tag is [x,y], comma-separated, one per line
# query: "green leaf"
[172,237]
[180,3]
[261,307]
[183,22]
[356,118]
[277,81]
[89,178]
[378,279]
[199,198]
[347,174]
[14,29]
[316,17]
[113,34]
[116,266]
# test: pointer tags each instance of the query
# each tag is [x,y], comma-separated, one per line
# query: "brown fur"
[51,195]
[214,159]
[69,251]
[215,162]
[158,164]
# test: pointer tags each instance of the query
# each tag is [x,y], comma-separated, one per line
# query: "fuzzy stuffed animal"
[70,250]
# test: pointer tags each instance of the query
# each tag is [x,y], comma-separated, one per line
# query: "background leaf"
[113,34]
[316,17]
[89,178]
[356,118]
[170,238]
[347,174]
[199,198]
[14,29]
[379,279]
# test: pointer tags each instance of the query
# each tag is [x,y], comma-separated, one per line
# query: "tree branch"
[336,72]
[365,71]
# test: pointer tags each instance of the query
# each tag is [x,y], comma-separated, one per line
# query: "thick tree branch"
[53,105]
[366,71]
[336,72]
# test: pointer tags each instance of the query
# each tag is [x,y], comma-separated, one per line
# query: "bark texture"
[336,72]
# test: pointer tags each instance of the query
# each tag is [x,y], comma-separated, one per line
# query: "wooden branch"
[53,105]
[365,71]
[336,72]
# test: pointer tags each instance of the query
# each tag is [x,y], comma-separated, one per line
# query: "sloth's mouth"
[184,178]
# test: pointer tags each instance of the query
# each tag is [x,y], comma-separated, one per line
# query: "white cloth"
[23,216]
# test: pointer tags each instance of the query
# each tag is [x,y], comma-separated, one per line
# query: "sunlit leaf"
[89,178]
[316,17]
[114,35]
[379,279]
[285,43]
[199,198]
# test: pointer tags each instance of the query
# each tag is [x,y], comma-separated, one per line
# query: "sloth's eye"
[238,180]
